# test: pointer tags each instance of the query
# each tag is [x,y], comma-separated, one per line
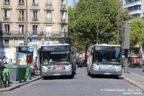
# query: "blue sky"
[70,2]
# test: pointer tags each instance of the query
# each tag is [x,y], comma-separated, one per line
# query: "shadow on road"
[106,77]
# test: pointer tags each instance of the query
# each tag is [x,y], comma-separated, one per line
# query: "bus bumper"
[62,73]
[116,73]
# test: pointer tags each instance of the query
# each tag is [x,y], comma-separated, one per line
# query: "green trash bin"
[21,71]
[27,73]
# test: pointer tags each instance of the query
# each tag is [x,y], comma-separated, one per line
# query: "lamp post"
[97,3]
[26,32]
[118,23]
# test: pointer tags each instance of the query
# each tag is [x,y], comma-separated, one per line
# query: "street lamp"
[26,22]
[118,23]
[97,3]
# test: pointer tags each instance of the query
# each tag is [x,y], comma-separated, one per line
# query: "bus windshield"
[104,54]
[49,57]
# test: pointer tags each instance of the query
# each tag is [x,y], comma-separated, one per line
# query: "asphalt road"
[81,85]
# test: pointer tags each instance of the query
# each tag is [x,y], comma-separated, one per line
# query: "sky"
[70,2]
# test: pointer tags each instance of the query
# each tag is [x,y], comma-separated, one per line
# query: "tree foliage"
[87,15]
[136,32]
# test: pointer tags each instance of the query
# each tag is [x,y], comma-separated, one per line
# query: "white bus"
[104,59]
[57,60]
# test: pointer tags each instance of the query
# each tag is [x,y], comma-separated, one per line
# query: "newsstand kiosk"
[24,60]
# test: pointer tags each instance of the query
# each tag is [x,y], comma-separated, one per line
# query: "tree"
[86,16]
[136,32]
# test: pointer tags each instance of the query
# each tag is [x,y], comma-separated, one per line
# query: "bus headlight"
[44,69]
[68,67]
[118,68]
[95,67]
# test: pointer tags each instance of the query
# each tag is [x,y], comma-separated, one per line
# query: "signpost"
[126,44]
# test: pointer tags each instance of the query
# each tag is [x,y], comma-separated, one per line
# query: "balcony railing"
[63,20]
[36,34]
[49,20]
[6,18]
[34,19]
[34,4]
[21,3]
[21,19]
[6,3]
[63,6]
[49,4]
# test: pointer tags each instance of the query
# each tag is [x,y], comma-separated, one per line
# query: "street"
[81,85]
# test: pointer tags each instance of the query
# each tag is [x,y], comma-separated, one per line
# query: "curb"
[19,85]
[133,82]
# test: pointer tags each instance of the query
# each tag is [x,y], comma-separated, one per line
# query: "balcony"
[6,3]
[34,4]
[63,6]
[132,4]
[135,12]
[6,18]
[34,19]
[63,21]
[48,20]
[21,3]
[21,19]
[49,6]
[12,34]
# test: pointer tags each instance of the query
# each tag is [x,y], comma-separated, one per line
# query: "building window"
[6,14]
[48,16]
[21,29]
[7,28]
[35,29]
[6,2]
[48,3]
[48,30]
[21,2]
[134,8]
[62,2]
[62,30]
[63,16]
[63,5]
[35,15]
[21,15]
[35,2]
[6,43]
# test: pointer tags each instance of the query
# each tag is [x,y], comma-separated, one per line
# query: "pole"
[126,61]
[97,3]
[118,24]
[26,32]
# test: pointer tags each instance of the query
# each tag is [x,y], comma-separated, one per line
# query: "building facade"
[32,23]
[135,8]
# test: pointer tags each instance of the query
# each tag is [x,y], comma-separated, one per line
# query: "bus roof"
[102,45]
[55,44]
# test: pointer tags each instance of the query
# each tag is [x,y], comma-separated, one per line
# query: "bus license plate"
[56,74]
[107,73]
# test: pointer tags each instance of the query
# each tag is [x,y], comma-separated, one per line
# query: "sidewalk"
[134,78]
[17,85]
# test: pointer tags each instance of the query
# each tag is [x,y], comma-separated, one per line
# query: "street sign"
[30,49]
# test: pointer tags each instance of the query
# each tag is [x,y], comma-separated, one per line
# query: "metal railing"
[21,3]
[21,19]
[6,3]
[6,18]
[35,34]
[49,20]
[48,4]
[63,6]
[35,4]
[34,19]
